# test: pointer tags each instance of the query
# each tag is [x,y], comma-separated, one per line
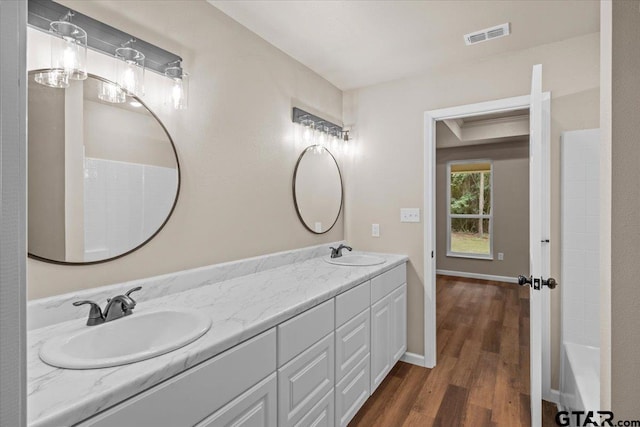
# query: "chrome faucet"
[337,252]
[117,307]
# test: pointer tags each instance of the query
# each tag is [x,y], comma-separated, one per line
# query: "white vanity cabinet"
[254,408]
[353,338]
[306,360]
[315,369]
[192,396]
[388,322]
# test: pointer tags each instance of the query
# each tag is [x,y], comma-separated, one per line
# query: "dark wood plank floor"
[482,375]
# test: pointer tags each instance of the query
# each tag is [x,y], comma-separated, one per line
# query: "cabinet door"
[200,391]
[352,392]
[381,324]
[305,380]
[255,408]
[320,415]
[399,327]
[352,343]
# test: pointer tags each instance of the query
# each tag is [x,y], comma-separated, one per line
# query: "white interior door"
[537,239]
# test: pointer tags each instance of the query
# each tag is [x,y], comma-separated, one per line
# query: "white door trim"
[430,119]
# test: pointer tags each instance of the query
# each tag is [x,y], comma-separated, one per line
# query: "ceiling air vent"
[487,34]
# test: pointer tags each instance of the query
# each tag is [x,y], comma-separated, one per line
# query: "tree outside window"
[470,215]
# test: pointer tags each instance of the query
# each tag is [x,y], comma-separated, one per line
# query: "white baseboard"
[505,279]
[413,358]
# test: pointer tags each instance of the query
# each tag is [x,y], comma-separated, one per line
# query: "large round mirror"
[317,189]
[103,172]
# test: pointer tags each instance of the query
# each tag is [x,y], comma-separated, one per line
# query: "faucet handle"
[130,291]
[95,314]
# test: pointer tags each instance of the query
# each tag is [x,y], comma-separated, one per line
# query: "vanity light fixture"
[319,131]
[133,56]
[178,92]
[130,69]
[68,53]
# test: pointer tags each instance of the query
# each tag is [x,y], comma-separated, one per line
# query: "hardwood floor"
[482,375]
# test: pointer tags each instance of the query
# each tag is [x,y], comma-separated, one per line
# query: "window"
[469,215]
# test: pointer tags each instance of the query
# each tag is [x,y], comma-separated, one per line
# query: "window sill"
[488,257]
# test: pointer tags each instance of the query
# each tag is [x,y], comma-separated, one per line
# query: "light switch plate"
[410,215]
[375,230]
[318,227]
[500,256]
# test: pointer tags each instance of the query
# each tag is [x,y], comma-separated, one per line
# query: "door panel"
[536,207]
[255,408]
[304,381]
[380,341]
[399,311]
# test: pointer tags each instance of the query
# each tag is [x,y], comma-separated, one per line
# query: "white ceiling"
[359,43]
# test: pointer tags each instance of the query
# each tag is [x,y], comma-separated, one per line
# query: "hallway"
[482,375]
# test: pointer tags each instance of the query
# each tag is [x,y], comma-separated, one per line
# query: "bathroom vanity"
[294,341]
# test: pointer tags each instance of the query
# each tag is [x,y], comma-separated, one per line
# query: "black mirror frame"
[295,200]
[173,207]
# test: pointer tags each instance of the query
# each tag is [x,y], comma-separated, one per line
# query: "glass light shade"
[178,94]
[130,70]
[109,92]
[53,78]
[323,135]
[69,49]
[307,130]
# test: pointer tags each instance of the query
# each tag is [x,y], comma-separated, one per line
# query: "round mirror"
[317,189]
[103,171]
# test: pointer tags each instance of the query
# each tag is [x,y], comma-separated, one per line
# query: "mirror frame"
[175,201]
[295,199]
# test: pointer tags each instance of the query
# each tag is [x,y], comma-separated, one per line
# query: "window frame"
[450,253]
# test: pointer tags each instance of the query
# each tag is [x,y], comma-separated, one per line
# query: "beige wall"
[387,172]
[123,135]
[510,195]
[235,143]
[46,217]
[625,208]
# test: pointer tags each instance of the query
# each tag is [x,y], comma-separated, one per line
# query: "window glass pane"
[470,189]
[470,236]
[487,193]
[464,193]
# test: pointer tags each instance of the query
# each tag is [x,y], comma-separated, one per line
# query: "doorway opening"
[538,105]
[482,245]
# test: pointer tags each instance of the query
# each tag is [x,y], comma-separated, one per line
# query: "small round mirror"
[103,171]
[317,189]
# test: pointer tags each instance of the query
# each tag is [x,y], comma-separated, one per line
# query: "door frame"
[430,119]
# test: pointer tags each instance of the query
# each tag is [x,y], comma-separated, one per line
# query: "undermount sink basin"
[136,337]
[356,260]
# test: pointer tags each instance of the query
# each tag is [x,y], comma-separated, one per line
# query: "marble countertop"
[240,308]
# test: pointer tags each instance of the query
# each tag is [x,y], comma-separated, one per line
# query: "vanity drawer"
[384,284]
[255,408]
[191,396]
[297,334]
[320,415]
[352,392]
[304,381]
[352,302]
[352,343]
